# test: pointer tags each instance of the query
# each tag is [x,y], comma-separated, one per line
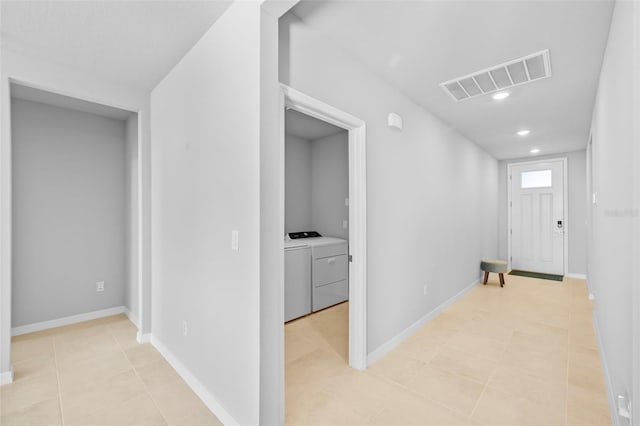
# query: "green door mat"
[536,275]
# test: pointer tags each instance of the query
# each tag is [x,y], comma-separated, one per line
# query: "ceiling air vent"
[513,73]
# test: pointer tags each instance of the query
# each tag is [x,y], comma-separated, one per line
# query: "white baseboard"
[143,338]
[577,276]
[44,325]
[387,347]
[132,317]
[6,377]
[615,420]
[209,400]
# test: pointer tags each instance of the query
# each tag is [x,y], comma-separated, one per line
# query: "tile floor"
[525,354]
[522,355]
[95,373]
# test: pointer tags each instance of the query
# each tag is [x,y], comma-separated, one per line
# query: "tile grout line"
[428,398]
[486,385]
[417,394]
[146,388]
[453,373]
[55,360]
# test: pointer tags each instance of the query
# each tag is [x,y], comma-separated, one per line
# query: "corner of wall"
[192,381]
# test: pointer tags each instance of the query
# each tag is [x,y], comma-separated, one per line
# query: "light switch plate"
[234,240]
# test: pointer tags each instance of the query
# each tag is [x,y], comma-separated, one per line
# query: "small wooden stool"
[493,265]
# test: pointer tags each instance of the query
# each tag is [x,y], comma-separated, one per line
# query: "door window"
[535,179]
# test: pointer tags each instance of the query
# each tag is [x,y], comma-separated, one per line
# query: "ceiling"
[135,43]
[416,45]
[35,95]
[306,127]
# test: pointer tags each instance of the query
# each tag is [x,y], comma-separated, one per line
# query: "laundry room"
[316,235]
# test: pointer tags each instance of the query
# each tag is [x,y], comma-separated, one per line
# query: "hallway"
[462,108]
[522,355]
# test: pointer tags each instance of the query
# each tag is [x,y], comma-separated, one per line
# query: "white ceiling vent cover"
[524,70]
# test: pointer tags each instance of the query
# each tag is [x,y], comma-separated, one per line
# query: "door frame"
[565,202]
[635,312]
[298,101]
[6,205]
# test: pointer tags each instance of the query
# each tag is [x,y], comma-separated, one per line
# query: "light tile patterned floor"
[522,355]
[95,373]
[525,354]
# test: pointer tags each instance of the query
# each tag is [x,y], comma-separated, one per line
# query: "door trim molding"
[565,202]
[635,324]
[356,127]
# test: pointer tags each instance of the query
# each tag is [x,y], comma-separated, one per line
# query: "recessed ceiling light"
[500,96]
[534,151]
[524,132]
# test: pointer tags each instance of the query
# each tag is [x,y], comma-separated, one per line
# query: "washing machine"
[297,280]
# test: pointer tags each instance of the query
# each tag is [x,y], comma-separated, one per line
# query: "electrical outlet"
[100,286]
[345,224]
[624,406]
[185,328]
[425,289]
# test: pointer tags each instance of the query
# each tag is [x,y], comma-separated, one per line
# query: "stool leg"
[486,277]
[501,280]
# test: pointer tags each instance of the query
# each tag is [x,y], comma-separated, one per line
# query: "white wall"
[206,182]
[47,76]
[132,267]
[271,218]
[68,212]
[330,185]
[613,256]
[432,194]
[297,213]
[576,220]
[316,184]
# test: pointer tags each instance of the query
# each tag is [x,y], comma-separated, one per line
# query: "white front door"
[537,216]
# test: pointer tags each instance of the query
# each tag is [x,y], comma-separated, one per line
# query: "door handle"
[331,260]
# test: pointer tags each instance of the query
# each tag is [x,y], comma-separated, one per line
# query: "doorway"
[537,216]
[74,188]
[292,99]
[355,256]
[316,215]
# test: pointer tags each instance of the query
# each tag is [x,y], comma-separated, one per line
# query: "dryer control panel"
[306,234]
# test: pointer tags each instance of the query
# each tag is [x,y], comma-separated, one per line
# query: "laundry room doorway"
[323,180]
